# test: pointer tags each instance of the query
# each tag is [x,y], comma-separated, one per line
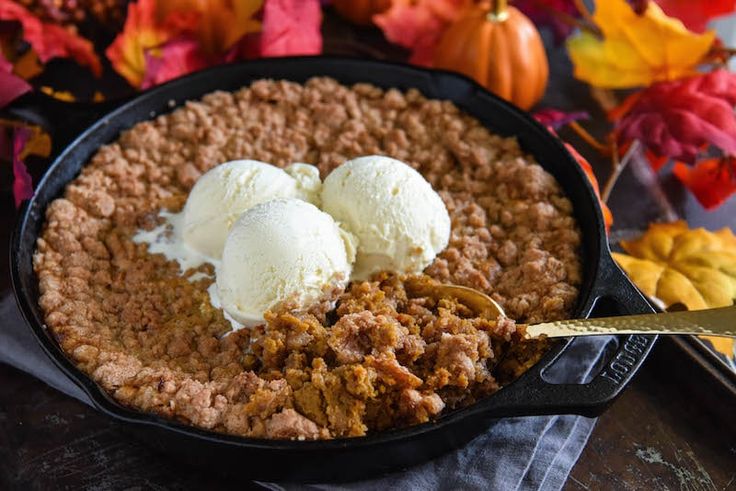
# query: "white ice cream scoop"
[400,222]
[284,249]
[220,196]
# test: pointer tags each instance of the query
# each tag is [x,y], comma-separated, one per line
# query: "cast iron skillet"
[605,290]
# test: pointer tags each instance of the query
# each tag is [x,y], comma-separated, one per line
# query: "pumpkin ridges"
[500,76]
[485,41]
[525,92]
[475,46]
[539,62]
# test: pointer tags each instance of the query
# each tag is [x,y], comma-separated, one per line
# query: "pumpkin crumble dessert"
[356,351]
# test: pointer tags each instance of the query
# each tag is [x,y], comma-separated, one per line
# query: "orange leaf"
[141,33]
[208,28]
[418,25]
[27,65]
[177,58]
[220,23]
[50,40]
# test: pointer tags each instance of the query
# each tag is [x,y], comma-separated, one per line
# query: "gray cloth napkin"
[532,453]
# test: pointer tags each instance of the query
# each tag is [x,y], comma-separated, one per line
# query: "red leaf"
[418,25]
[11,86]
[712,181]
[557,119]
[176,58]
[549,13]
[22,183]
[656,161]
[695,14]
[50,40]
[291,27]
[676,119]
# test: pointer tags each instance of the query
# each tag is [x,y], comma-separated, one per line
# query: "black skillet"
[605,290]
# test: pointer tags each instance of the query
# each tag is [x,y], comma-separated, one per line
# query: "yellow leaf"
[673,264]
[636,50]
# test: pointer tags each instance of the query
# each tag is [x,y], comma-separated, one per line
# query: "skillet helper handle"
[536,396]
[64,121]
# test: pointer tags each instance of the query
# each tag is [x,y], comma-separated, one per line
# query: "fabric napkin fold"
[531,453]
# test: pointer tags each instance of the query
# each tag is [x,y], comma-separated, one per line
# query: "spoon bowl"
[710,322]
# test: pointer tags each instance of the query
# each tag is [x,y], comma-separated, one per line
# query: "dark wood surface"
[673,428]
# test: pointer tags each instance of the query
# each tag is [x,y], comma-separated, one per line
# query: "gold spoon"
[711,322]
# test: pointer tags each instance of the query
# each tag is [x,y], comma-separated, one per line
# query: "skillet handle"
[64,121]
[532,395]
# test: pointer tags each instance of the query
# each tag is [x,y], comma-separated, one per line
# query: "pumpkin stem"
[499,11]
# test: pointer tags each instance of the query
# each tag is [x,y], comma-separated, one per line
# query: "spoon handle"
[711,322]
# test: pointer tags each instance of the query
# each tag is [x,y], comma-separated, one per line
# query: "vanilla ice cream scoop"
[223,193]
[284,249]
[400,222]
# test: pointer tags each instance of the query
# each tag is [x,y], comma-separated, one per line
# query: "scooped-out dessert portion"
[411,190]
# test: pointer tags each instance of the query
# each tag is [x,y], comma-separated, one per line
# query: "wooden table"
[674,427]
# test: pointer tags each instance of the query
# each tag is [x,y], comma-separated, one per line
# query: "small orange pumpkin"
[500,48]
[360,11]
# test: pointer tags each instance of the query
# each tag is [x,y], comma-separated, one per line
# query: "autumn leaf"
[291,27]
[27,65]
[550,13]
[712,181]
[162,40]
[11,85]
[696,14]
[556,119]
[678,119]
[50,40]
[418,25]
[177,58]
[21,140]
[220,23]
[636,50]
[143,34]
[675,264]
[35,140]
[22,182]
